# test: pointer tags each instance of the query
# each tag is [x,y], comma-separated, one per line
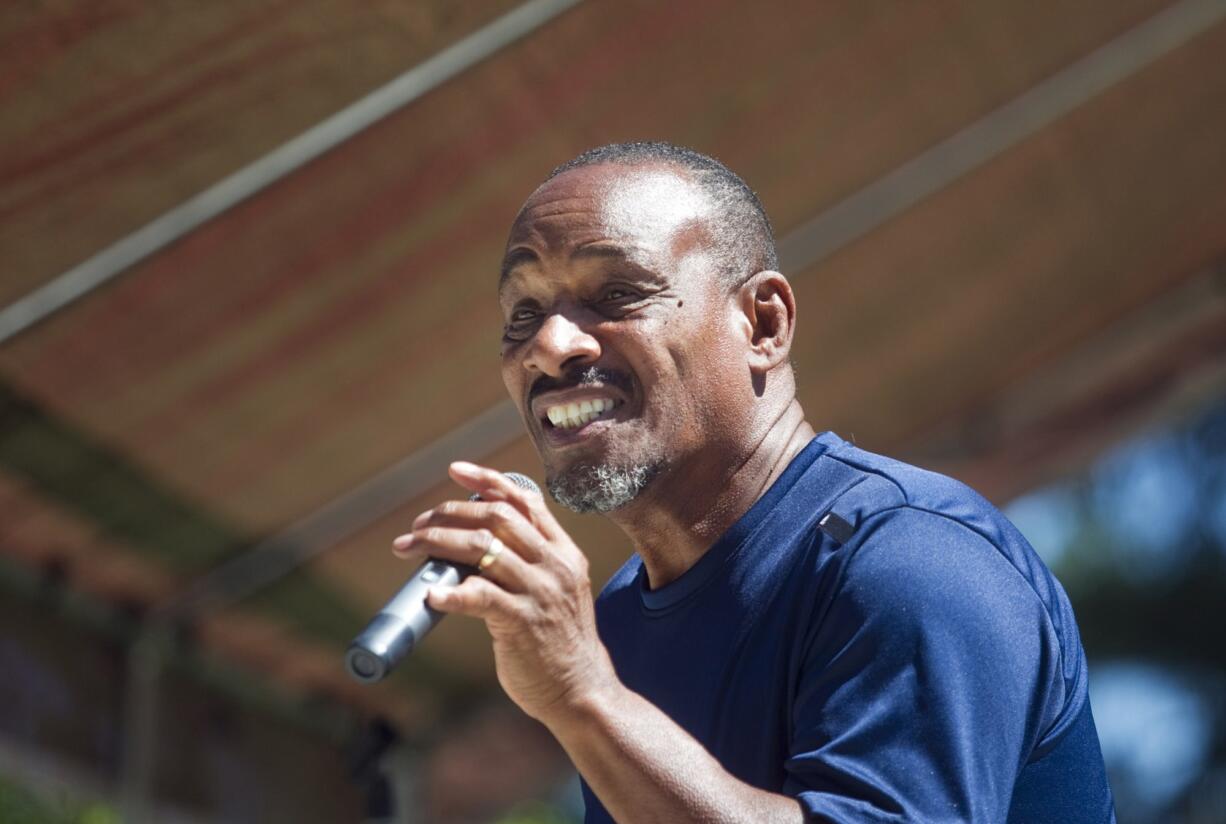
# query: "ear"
[769,319]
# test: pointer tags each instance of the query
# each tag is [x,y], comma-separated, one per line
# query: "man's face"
[620,344]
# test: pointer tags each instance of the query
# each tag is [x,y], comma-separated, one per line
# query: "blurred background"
[247,315]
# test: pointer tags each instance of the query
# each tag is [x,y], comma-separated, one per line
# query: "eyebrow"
[600,250]
[515,257]
[522,255]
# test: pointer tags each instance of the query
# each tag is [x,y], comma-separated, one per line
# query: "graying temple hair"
[746,242]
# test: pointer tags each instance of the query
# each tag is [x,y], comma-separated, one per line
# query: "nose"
[560,344]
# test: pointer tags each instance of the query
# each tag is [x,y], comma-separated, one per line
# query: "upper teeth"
[570,415]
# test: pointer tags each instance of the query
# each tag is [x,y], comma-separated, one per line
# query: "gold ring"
[491,554]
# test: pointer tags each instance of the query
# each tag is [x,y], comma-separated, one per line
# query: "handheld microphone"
[406,619]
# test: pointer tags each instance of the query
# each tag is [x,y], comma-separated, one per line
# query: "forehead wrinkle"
[644,213]
[555,230]
[546,207]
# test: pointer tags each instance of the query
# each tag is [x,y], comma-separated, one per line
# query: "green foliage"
[18,805]
[535,813]
[103,487]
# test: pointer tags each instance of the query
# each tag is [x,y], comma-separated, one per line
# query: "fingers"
[468,546]
[462,531]
[499,517]
[477,597]
[493,485]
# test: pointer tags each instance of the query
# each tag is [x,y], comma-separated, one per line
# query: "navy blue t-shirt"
[910,659]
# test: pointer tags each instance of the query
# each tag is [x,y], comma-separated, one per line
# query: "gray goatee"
[600,488]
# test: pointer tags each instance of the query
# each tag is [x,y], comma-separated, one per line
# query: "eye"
[618,294]
[519,327]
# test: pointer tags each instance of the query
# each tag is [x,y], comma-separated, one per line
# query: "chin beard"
[601,487]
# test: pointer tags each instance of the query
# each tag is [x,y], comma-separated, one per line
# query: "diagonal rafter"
[810,243]
[188,216]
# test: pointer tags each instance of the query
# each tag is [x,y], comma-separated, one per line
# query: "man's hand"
[535,598]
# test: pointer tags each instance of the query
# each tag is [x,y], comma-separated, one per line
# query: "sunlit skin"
[613,270]
[611,266]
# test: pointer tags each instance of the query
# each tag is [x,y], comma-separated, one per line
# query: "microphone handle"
[406,619]
[403,622]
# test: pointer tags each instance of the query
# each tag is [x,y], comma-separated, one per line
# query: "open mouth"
[570,417]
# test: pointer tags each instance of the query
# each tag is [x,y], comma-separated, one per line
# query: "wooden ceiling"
[1003,328]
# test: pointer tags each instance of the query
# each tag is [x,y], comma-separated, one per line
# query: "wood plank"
[116,112]
[299,344]
[1005,271]
[346,317]
[1164,362]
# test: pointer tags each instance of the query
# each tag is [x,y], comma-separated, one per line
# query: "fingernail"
[403,541]
[440,594]
[465,468]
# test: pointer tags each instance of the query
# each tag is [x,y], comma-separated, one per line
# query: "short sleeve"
[925,682]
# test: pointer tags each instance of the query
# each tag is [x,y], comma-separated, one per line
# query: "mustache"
[579,377]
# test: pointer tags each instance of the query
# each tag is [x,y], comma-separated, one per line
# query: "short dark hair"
[744,235]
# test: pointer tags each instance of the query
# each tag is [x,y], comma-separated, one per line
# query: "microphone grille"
[523,482]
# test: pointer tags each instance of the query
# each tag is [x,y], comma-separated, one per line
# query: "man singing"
[806,631]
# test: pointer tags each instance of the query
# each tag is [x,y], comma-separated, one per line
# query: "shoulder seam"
[908,505]
[1029,584]
[986,539]
[876,472]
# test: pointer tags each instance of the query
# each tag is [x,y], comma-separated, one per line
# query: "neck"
[674,525]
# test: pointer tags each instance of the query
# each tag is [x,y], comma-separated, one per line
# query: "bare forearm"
[536,601]
[645,768]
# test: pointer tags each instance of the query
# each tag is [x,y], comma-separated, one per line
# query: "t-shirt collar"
[694,578]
